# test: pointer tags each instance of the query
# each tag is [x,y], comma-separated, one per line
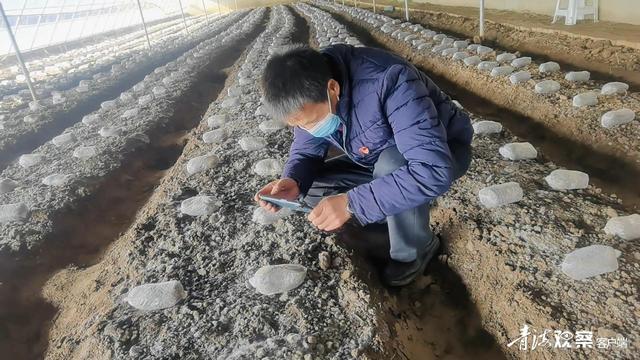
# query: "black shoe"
[398,273]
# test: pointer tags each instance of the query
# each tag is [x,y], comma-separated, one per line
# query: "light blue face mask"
[326,126]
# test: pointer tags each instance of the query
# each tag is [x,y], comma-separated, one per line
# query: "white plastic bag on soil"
[276,279]
[201,163]
[199,205]
[518,151]
[567,179]
[265,217]
[252,143]
[156,296]
[268,167]
[501,194]
[590,261]
[13,212]
[626,227]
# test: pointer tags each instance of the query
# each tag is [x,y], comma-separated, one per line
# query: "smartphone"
[283,203]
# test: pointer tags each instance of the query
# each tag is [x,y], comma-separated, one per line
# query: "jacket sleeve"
[453,114]
[421,139]
[306,156]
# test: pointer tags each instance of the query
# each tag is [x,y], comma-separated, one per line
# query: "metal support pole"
[25,71]
[204,8]
[183,19]
[355,3]
[374,6]
[109,26]
[103,24]
[86,19]
[144,24]
[406,9]
[35,32]
[18,22]
[75,11]
[103,19]
[219,11]
[236,1]
[131,19]
[55,26]
[126,18]
[481,19]
[122,18]
[342,2]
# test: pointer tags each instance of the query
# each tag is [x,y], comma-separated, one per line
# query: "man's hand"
[330,213]
[283,188]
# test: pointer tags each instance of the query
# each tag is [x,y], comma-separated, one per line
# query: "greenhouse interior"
[319,179]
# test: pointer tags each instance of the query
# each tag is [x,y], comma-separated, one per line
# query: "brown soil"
[431,318]
[604,48]
[24,312]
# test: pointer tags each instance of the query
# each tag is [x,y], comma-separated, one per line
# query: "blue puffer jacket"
[386,101]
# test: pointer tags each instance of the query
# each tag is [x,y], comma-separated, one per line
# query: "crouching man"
[404,143]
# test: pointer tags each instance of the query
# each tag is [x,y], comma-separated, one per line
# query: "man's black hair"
[294,76]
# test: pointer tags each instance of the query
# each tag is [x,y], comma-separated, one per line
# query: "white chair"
[576,10]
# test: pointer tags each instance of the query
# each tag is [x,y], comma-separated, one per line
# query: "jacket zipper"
[344,144]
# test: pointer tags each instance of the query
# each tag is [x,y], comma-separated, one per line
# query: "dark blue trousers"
[409,231]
